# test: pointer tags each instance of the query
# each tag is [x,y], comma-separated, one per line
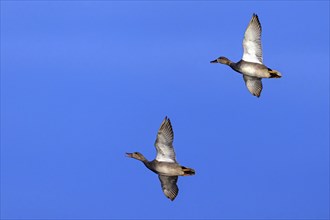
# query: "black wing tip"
[167,125]
[167,119]
[257,95]
[172,196]
[255,16]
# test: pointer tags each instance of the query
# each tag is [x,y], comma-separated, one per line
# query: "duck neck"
[148,164]
[234,66]
[144,160]
[230,63]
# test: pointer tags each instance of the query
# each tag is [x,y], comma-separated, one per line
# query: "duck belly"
[169,169]
[253,69]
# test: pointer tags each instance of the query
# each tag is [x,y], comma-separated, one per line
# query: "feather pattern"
[169,186]
[164,142]
[252,41]
[253,84]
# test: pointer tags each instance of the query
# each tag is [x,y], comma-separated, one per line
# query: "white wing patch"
[252,41]
[164,142]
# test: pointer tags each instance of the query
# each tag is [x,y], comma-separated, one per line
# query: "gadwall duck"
[251,65]
[165,164]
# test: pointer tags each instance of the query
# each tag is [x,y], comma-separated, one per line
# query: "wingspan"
[253,84]
[252,41]
[164,142]
[169,186]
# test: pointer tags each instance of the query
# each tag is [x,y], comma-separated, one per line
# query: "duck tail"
[274,73]
[188,171]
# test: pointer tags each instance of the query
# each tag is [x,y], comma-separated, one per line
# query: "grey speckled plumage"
[251,65]
[253,84]
[169,186]
[165,164]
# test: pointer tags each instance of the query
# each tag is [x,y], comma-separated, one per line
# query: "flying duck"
[165,164]
[251,66]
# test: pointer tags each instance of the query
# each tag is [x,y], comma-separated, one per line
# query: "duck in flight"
[165,164]
[251,65]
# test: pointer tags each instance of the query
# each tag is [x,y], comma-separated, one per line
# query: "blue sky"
[84,82]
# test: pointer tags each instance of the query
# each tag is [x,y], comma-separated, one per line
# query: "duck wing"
[252,41]
[164,142]
[253,84]
[169,186]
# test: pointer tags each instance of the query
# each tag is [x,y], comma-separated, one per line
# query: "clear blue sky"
[84,82]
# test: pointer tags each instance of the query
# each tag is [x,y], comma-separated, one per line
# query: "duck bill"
[129,155]
[213,61]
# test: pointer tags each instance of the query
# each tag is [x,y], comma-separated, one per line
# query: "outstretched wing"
[169,186]
[252,41]
[253,84]
[164,142]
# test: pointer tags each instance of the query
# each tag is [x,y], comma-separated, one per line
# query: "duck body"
[165,164]
[167,168]
[251,65]
[252,69]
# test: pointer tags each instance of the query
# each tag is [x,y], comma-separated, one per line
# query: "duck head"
[222,60]
[136,155]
